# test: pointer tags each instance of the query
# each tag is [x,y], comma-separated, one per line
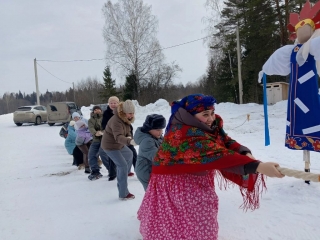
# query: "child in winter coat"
[148,137]
[83,141]
[70,144]
[181,202]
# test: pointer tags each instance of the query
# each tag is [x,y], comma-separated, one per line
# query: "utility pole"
[74,93]
[36,77]
[239,67]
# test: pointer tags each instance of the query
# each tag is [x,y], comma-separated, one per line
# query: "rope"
[300,174]
[248,118]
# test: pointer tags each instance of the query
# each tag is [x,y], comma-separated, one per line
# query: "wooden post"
[74,93]
[239,65]
[36,78]
[306,159]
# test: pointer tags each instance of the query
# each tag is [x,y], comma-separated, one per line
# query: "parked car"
[60,112]
[30,114]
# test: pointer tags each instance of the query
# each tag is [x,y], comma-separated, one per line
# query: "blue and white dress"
[303,111]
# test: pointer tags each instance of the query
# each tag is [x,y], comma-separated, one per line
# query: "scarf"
[196,147]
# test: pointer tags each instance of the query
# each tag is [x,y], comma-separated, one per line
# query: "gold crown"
[304,22]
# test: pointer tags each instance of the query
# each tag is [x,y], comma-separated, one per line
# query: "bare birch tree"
[8,97]
[214,7]
[130,35]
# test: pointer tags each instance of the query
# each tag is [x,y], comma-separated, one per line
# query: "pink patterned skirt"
[177,207]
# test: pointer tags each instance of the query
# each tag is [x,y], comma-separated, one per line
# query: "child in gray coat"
[148,137]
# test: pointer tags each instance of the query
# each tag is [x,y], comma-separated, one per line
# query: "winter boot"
[95,175]
[81,166]
[87,170]
[111,178]
[128,197]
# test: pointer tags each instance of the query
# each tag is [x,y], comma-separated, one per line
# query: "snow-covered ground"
[44,197]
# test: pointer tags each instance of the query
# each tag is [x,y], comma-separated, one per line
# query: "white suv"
[30,114]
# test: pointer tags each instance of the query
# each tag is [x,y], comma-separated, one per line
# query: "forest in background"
[262,29]
[93,91]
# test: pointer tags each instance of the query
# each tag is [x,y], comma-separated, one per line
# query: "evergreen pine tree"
[259,38]
[130,90]
[109,84]
[20,96]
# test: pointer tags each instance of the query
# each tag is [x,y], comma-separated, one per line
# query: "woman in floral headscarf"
[180,202]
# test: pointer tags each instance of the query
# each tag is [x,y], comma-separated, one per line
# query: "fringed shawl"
[190,149]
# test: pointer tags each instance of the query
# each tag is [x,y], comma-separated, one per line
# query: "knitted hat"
[195,103]
[113,98]
[96,107]
[153,121]
[79,123]
[72,123]
[75,114]
[128,107]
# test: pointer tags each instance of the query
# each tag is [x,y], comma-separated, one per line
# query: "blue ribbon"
[265,108]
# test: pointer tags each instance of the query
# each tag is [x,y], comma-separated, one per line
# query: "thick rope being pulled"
[300,174]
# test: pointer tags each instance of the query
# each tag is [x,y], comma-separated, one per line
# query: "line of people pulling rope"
[178,170]
[110,136]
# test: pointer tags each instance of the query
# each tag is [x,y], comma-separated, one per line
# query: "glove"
[132,142]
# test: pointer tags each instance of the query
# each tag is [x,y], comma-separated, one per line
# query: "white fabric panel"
[315,48]
[278,63]
[306,77]
[311,129]
[301,105]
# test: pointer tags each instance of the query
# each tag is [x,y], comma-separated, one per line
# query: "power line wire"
[52,74]
[185,43]
[76,60]
[100,59]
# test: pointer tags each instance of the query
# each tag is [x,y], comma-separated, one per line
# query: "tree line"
[132,47]
[262,29]
[94,91]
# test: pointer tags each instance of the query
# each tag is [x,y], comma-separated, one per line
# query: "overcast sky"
[72,29]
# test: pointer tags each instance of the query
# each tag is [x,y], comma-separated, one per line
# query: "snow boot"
[81,166]
[128,197]
[87,170]
[95,175]
[111,178]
